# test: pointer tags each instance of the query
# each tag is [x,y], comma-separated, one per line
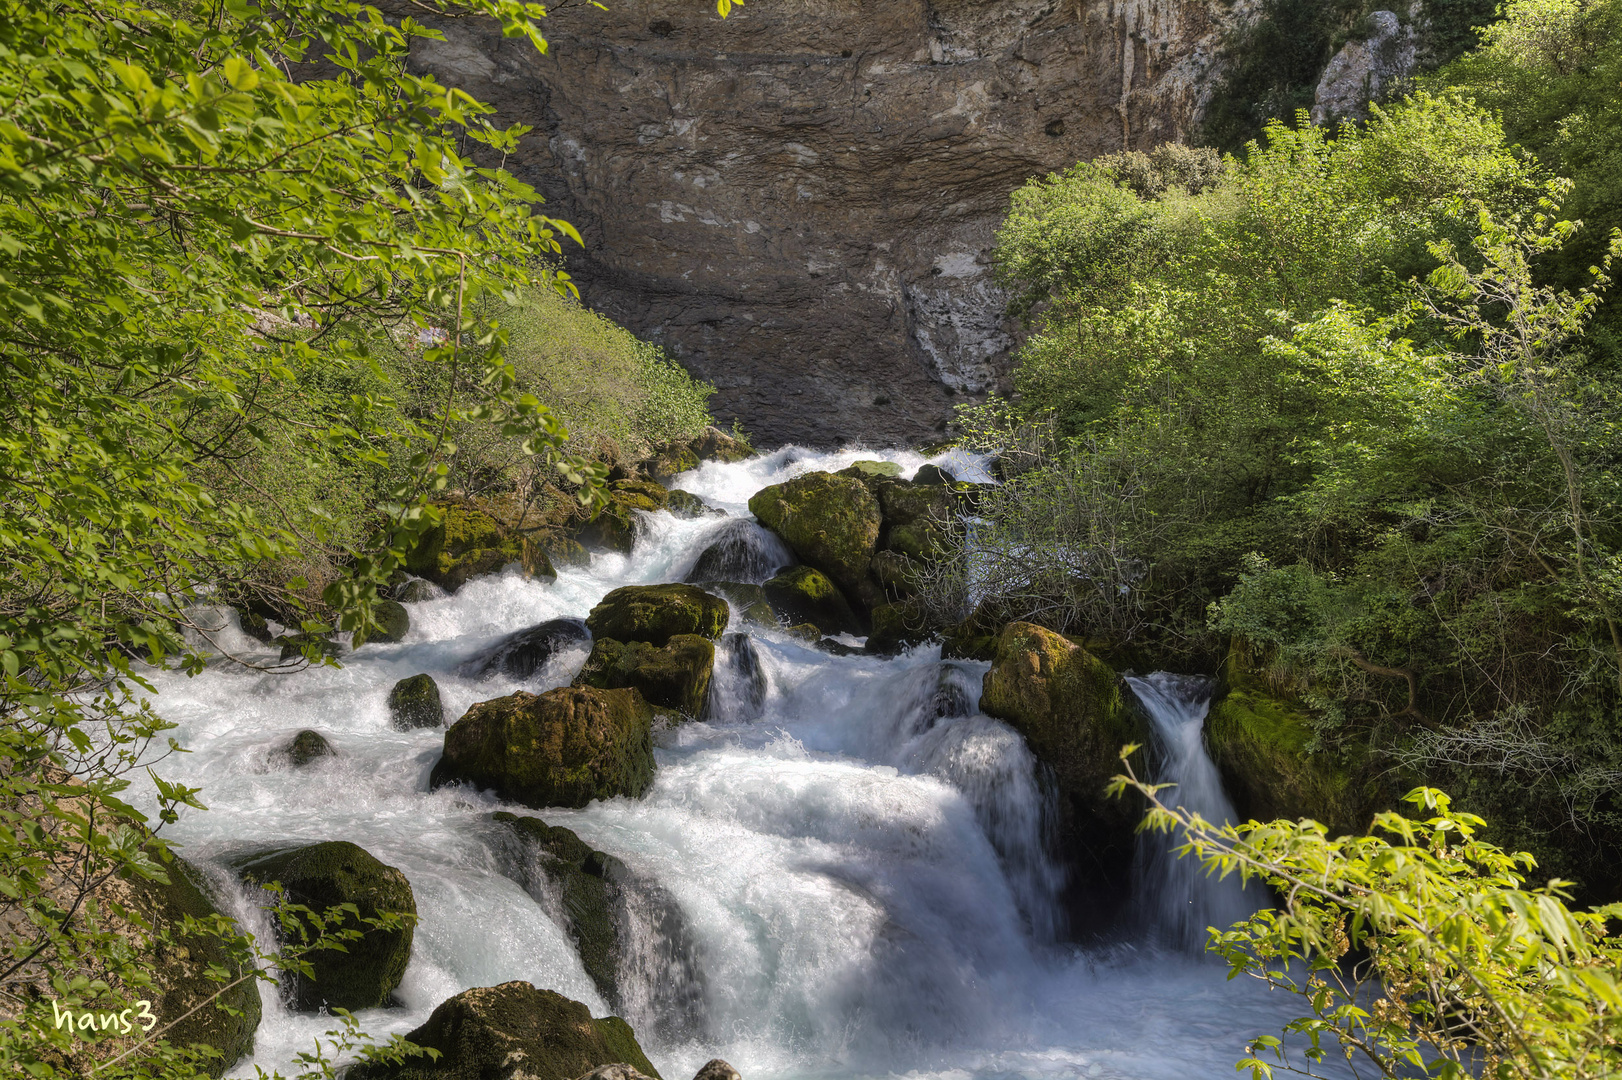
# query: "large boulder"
[831,522]
[1068,705]
[915,517]
[322,876]
[1259,741]
[179,963]
[713,444]
[513,1032]
[741,551]
[565,747]
[803,595]
[393,623]
[654,613]
[675,675]
[898,626]
[587,882]
[468,543]
[414,703]
[521,654]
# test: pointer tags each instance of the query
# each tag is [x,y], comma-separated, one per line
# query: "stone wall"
[799,202]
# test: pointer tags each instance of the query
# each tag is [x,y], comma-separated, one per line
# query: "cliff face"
[799,202]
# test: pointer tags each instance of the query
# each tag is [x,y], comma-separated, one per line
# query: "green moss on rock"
[322,876]
[802,594]
[654,613]
[565,747]
[675,675]
[469,543]
[860,469]
[898,626]
[414,703]
[393,623]
[586,881]
[748,601]
[687,505]
[306,747]
[831,522]
[513,1032]
[1068,705]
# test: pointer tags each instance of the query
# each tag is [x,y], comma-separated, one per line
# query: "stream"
[859,858]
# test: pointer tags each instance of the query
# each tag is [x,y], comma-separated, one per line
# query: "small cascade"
[738,687]
[741,551]
[1180,900]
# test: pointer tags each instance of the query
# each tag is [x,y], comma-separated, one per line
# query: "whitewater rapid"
[861,867]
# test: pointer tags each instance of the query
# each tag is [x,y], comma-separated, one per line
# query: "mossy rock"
[861,469]
[567,551]
[898,626]
[322,876]
[614,526]
[468,543]
[1068,705]
[896,573]
[587,882]
[831,522]
[1259,743]
[685,504]
[307,746]
[310,646]
[671,462]
[179,963]
[748,601]
[523,653]
[802,595]
[414,703]
[655,613]
[417,590]
[393,621]
[513,1032]
[565,747]
[932,475]
[675,675]
[640,494]
[915,517]
[713,444]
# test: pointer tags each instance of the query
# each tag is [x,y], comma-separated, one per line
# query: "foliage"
[210,215]
[1415,950]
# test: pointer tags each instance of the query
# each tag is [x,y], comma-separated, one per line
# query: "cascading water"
[858,856]
[1180,899]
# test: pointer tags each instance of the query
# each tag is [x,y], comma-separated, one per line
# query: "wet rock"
[748,601]
[741,551]
[555,864]
[895,572]
[713,444]
[915,517]
[414,703]
[306,747]
[672,462]
[1068,705]
[567,551]
[716,1069]
[975,638]
[415,590]
[653,613]
[675,675]
[617,1071]
[898,626]
[803,595]
[322,876]
[738,690]
[393,623]
[521,654]
[831,522]
[860,469]
[513,1032]
[687,505]
[932,475]
[565,747]
[469,543]
[255,625]
[310,646]
[179,966]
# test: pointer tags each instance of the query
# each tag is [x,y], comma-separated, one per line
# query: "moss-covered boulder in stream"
[565,747]
[468,543]
[748,601]
[179,964]
[513,1032]
[831,522]
[1068,705]
[322,876]
[675,675]
[305,747]
[585,881]
[684,504]
[653,613]
[867,468]
[899,626]
[1259,743]
[393,623]
[803,595]
[414,703]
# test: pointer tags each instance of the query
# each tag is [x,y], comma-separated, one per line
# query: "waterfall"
[861,860]
[1179,899]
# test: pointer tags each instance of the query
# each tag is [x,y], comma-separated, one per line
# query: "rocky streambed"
[716,780]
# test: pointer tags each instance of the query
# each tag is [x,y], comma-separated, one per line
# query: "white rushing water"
[857,856]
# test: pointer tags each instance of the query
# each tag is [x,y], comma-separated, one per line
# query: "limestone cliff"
[799,202]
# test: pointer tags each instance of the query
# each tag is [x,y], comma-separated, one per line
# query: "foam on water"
[860,858]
